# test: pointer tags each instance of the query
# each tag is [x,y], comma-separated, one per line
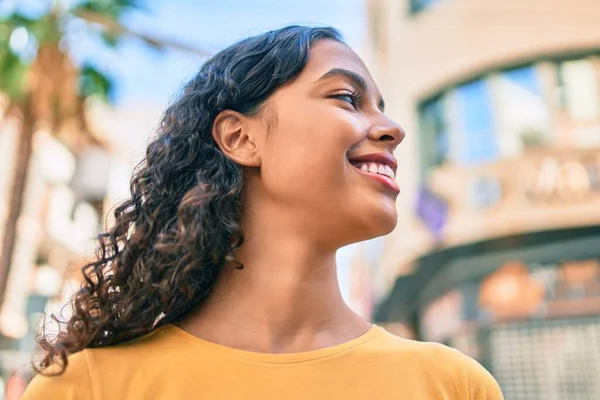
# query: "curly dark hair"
[170,240]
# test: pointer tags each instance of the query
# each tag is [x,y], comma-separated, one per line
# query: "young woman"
[218,279]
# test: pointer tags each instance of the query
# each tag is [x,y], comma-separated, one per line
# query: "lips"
[380,158]
[383,159]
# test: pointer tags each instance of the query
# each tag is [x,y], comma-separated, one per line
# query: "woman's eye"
[347,97]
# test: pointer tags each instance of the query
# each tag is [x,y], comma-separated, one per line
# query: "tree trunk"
[15,202]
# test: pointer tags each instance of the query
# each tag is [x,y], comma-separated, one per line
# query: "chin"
[375,225]
[386,223]
[383,218]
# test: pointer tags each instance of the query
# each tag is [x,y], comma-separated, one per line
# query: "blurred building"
[498,245]
[70,192]
[62,209]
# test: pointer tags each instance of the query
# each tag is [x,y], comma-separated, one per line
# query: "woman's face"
[328,153]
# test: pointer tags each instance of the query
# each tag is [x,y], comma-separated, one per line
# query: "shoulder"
[87,371]
[73,384]
[478,381]
[447,366]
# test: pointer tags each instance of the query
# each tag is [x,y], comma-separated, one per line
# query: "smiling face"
[326,156]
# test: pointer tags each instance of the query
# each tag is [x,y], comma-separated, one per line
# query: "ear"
[232,132]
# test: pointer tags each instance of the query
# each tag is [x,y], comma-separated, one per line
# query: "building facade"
[498,245]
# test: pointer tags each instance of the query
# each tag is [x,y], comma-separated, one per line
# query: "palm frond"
[17,19]
[113,9]
[93,82]
[111,25]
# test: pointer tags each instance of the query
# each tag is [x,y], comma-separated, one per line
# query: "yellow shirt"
[170,363]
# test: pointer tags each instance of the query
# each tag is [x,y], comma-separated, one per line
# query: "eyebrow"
[352,76]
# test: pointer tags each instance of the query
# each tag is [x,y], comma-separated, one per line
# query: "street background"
[497,251]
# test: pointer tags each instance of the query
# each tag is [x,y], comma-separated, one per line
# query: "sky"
[145,75]
[213,25]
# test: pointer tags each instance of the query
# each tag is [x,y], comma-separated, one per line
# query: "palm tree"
[45,87]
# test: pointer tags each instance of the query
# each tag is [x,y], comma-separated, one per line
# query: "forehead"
[329,54]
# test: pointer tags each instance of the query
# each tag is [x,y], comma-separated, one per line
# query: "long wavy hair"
[172,237]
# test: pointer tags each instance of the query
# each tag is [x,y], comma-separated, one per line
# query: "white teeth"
[376,168]
[389,171]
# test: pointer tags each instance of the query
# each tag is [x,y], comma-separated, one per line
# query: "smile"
[381,172]
[380,166]
[376,168]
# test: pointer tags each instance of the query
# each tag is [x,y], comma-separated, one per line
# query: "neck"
[285,299]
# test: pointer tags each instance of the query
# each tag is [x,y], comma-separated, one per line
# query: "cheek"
[318,134]
[300,172]
[308,151]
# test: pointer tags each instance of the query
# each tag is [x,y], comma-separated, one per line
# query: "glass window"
[501,114]
[475,130]
[522,112]
[419,5]
[434,133]
[578,82]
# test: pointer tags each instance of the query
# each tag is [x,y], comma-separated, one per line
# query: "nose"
[387,131]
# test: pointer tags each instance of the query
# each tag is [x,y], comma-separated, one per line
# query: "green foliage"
[111,8]
[110,39]
[49,29]
[45,29]
[12,73]
[12,67]
[110,11]
[93,82]
[16,19]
